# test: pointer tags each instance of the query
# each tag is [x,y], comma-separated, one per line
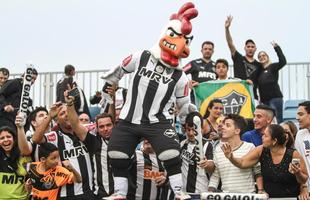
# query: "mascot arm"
[185,107]
[183,99]
[128,65]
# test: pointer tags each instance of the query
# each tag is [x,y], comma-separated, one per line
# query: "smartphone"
[105,87]
[296,161]
[74,92]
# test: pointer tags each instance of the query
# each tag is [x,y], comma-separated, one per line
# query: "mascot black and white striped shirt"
[152,90]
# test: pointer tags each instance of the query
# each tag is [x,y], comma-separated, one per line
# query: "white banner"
[232,196]
[24,101]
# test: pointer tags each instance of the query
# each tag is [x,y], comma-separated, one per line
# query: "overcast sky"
[98,34]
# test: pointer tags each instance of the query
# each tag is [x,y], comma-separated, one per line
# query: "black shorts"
[126,136]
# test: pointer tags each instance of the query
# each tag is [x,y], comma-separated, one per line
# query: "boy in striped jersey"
[147,176]
[195,172]
[234,179]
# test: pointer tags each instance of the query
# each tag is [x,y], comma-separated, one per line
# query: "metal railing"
[294,82]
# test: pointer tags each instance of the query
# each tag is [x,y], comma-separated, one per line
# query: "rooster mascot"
[157,82]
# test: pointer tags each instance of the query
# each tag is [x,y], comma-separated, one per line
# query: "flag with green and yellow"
[236,95]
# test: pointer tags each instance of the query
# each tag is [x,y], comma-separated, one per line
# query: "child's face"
[190,133]
[52,160]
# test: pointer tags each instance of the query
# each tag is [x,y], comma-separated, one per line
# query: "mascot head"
[175,39]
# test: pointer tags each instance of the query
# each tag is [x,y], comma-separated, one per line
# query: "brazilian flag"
[236,95]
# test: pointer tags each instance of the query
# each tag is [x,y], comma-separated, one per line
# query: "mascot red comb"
[157,83]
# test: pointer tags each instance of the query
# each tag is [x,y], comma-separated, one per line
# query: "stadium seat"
[94,111]
[290,109]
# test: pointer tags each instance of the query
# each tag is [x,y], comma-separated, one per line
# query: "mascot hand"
[192,108]
[113,75]
[184,110]
[105,93]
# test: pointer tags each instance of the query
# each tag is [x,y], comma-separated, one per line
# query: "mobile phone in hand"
[296,161]
[74,92]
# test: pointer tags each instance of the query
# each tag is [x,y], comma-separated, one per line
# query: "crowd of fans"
[61,153]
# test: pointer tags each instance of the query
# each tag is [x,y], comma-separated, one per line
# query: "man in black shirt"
[201,69]
[10,98]
[245,67]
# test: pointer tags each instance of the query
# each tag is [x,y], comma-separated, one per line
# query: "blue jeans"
[277,105]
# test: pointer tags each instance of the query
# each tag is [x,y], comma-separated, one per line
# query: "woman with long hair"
[283,169]
[291,131]
[267,81]
[213,113]
[12,167]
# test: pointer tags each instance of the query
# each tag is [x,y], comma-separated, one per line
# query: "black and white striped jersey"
[144,170]
[152,89]
[193,181]
[72,149]
[103,177]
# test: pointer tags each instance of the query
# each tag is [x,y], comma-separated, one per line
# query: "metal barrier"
[294,81]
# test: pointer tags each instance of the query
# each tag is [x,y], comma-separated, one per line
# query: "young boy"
[47,176]
[193,180]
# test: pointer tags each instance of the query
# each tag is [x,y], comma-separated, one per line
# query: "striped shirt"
[144,170]
[193,181]
[152,89]
[72,149]
[103,178]
[233,178]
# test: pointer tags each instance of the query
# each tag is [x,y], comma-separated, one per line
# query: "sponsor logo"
[154,76]
[210,75]
[152,175]
[170,133]
[48,185]
[12,179]
[188,157]
[75,152]
[51,137]
[233,102]
[159,69]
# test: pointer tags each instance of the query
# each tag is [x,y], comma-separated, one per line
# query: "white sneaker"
[182,196]
[115,196]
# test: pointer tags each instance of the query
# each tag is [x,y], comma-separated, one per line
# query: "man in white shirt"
[302,141]
[234,180]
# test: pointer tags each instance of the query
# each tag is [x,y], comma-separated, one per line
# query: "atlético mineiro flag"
[236,95]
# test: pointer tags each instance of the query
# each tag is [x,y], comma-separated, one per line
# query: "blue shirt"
[252,136]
